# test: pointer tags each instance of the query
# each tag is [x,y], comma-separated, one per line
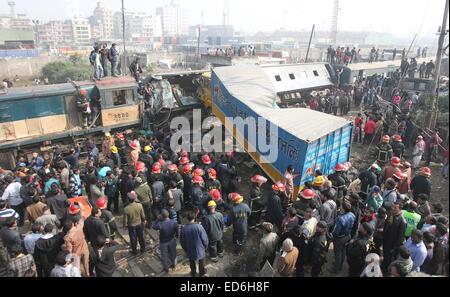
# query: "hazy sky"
[403,17]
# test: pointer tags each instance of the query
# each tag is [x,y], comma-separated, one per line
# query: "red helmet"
[187,168]
[156,168]
[307,194]
[134,145]
[120,136]
[339,168]
[215,195]
[184,154]
[161,162]
[184,160]
[199,172]
[102,203]
[395,161]
[197,179]
[397,138]
[398,174]
[172,167]
[386,138]
[74,209]
[206,160]
[212,173]
[236,198]
[425,171]
[259,179]
[348,165]
[140,166]
[279,186]
[83,93]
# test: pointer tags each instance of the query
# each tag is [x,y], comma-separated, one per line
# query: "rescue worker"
[398,148]
[84,106]
[212,182]
[108,218]
[239,219]
[206,163]
[175,176]
[339,183]
[214,226]
[368,180]
[197,195]
[187,178]
[402,181]
[304,202]
[385,151]
[421,183]
[145,157]
[388,171]
[255,200]
[274,213]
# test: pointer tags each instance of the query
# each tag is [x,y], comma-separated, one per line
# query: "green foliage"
[76,69]
[443,103]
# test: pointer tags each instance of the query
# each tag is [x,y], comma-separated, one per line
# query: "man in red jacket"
[358,128]
[369,131]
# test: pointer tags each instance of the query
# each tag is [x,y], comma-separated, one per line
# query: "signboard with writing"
[120,115]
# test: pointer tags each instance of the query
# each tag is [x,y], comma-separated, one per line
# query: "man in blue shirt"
[341,235]
[168,231]
[417,249]
[113,56]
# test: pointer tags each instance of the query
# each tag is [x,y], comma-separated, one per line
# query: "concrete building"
[56,33]
[20,22]
[174,20]
[138,26]
[103,18]
[82,34]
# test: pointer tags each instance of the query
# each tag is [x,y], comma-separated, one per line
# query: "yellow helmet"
[147,148]
[114,150]
[212,203]
[319,181]
[107,134]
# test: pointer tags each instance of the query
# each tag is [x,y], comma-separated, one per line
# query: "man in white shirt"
[12,195]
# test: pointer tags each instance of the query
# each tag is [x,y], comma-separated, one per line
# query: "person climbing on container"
[84,106]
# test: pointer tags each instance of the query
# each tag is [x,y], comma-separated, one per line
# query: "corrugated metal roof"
[37,91]
[251,85]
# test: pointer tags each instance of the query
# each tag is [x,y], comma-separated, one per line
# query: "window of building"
[277,77]
[316,73]
[292,76]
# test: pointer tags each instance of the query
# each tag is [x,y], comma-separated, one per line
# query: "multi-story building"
[56,33]
[138,26]
[82,34]
[152,26]
[103,18]
[174,20]
[20,22]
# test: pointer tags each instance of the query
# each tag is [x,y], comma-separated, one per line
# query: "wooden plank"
[137,272]
[154,264]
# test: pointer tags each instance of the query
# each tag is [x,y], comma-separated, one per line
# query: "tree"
[59,72]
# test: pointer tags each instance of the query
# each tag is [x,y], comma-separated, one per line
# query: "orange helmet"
[339,168]
[395,161]
[172,167]
[102,203]
[197,179]
[307,194]
[184,160]
[397,138]
[83,93]
[140,166]
[199,172]
[212,173]
[184,154]
[215,195]
[74,209]
[156,168]
[236,198]
[259,179]
[206,160]
[279,186]
[187,168]
[386,138]
[425,171]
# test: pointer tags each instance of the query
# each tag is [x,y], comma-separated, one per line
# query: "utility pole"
[198,42]
[125,66]
[309,45]
[431,124]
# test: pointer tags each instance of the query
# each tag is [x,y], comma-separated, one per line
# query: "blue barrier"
[19,53]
